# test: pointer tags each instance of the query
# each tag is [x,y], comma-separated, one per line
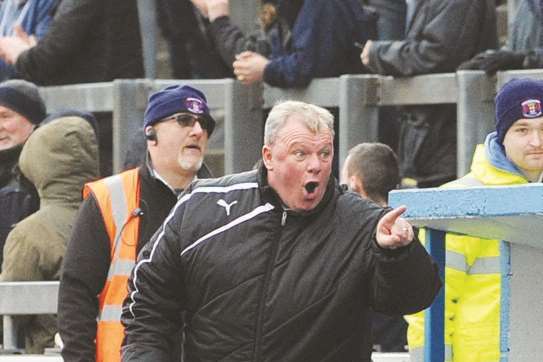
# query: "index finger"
[391,216]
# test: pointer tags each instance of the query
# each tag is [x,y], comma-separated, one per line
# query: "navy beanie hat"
[518,98]
[176,99]
[24,98]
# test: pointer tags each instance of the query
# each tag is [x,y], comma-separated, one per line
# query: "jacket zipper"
[262,302]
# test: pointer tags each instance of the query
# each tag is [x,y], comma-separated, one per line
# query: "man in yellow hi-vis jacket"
[513,154]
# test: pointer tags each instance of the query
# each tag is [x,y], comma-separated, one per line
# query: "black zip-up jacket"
[258,283]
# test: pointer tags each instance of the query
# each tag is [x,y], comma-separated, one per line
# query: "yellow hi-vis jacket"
[472,283]
[118,198]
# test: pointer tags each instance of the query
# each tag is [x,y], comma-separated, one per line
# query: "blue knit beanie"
[176,99]
[518,98]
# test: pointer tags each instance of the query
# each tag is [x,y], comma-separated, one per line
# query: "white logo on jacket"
[226,206]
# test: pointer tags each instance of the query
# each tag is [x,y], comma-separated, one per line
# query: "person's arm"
[74,22]
[153,308]
[84,273]
[321,39]
[438,48]
[406,280]
[228,38]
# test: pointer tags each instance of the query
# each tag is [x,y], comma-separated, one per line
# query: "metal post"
[10,333]
[244,13]
[129,102]
[434,317]
[244,126]
[512,6]
[475,113]
[148,33]
[358,111]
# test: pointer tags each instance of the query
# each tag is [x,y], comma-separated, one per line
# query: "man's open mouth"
[311,186]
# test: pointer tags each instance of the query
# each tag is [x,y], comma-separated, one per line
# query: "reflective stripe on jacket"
[118,198]
[472,283]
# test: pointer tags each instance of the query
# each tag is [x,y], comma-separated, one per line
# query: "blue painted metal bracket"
[498,212]
[434,328]
[512,213]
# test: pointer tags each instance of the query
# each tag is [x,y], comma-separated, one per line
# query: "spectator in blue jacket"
[318,41]
[27,18]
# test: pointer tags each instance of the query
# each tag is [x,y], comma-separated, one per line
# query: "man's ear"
[267,157]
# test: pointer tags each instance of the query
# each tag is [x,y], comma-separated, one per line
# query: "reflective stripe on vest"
[117,197]
[482,265]
[417,354]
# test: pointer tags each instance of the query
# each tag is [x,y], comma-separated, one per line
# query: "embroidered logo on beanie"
[194,105]
[531,108]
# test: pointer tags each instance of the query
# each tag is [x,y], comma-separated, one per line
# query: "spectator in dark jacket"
[193,53]
[21,111]
[319,42]
[436,41]
[29,16]
[371,170]
[275,264]
[525,48]
[88,41]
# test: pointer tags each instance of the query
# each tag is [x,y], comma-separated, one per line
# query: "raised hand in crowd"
[492,61]
[249,67]
[212,9]
[12,46]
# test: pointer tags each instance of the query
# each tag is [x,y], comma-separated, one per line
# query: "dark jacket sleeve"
[534,59]
[442,43]
[152,311]
[406,280]
[228,38]
[84,273]
[322,44]
[66,36]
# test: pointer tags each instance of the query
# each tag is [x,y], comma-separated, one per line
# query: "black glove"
[492,61]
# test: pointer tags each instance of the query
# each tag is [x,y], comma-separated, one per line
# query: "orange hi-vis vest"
[118,198]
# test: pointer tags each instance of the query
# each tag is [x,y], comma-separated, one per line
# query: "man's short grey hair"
[315,118]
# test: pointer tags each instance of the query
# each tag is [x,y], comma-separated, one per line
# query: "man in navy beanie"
[513,154]
[21,111]
[120,214]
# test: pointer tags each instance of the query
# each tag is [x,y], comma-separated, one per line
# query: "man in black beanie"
[21,111]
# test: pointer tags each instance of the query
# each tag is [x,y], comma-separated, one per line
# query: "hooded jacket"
[261,283]
[58,158]
[472,274]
